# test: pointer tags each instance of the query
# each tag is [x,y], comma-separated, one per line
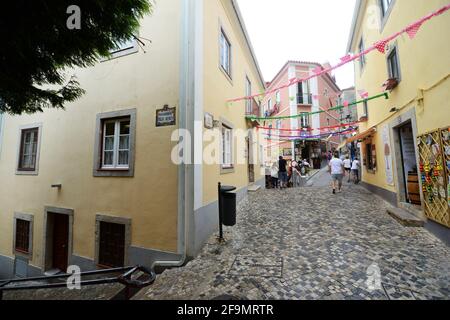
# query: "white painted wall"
[293,103]
[315,119]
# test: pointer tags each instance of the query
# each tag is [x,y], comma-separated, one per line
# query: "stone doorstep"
[405,218]
[253,188]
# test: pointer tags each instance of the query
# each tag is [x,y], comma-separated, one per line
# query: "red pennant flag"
[346,58]
[381,46]
[346,103]
[413,29]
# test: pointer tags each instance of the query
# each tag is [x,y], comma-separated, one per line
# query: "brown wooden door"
[112,244]
[60,241]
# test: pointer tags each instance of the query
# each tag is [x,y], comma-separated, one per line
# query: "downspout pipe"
[186,121]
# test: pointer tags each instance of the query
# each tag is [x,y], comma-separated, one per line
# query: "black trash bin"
[228,201]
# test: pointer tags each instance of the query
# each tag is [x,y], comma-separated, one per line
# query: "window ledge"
[27,173]
[121,53]
[226,170]
[113,173]
[226,75]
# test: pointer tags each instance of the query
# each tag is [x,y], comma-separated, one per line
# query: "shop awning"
[362,135]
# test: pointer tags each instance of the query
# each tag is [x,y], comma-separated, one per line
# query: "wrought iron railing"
[126,278]
[304,98]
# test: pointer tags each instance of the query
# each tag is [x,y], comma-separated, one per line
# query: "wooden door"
[60,241]
[251,166]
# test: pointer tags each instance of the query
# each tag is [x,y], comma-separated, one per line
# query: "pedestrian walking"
[348,167]
[282,172]
[274,175]
[295,174]
[336,168]
[355,170]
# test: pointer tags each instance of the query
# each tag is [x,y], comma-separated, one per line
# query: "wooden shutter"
[112,244]
[22,236]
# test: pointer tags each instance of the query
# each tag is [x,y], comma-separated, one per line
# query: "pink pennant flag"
[381,46]
[413,29]
[317,70]
[364,94]
[346,103]
[346,58]
[292,81]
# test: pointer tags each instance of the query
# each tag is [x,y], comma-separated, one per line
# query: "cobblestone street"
[308,244]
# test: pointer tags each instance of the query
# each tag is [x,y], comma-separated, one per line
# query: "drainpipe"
[186,121]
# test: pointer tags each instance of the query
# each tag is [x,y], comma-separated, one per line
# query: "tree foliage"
[38,50]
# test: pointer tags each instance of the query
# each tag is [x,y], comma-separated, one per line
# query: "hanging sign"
[166,116]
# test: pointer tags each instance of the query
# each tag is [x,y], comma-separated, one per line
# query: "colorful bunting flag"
[317,70]
[413,29]
[381,46]
[347,58]
[364,94]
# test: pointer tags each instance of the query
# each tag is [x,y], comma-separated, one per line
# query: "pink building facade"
[317,94]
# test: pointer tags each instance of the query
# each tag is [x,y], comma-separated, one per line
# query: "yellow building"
[394,141]
[96,185]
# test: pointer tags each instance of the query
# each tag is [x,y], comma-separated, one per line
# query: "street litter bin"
[227,205]
[229,209]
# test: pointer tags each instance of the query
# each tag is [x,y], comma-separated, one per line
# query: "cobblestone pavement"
[308,244]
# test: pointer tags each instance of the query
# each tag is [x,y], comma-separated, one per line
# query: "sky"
[305,30]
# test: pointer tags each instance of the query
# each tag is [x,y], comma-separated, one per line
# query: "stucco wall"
[145,81]
[218,88]
[424,64]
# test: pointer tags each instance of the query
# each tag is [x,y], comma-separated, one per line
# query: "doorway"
[250,162]
[408,164]
[57,239]
[60,242]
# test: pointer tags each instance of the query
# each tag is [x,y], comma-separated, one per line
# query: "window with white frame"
[362,59]
[365,109]
[278,124]
[28,149]
[225,53]
[304,120]
[124,48]
[116,144]
[269,105]
[278,97]
[393,64]
[385,5]
[227,147]
[248,93]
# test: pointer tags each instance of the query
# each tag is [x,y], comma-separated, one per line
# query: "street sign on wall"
[166,116]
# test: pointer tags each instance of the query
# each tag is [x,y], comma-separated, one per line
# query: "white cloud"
[307,30]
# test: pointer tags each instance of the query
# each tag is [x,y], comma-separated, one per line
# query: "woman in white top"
[355,170]
[274,174]
[348,166]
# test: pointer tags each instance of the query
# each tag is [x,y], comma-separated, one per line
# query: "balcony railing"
[252,108]
[304,98]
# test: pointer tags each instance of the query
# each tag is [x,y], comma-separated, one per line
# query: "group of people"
[285,174]
[340,168]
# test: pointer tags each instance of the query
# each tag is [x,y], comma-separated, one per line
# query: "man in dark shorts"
[282,173]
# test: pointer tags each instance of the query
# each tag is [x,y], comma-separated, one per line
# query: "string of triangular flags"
[380,45]
[346,105]
[310,136]
[327,128]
